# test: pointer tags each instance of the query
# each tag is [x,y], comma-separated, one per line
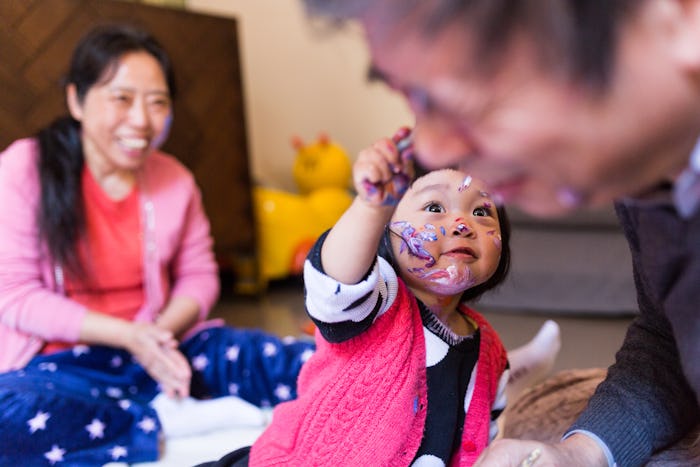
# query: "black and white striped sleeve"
[343,311]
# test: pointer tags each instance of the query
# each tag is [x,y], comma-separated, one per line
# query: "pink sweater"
[178,259]
[363,402]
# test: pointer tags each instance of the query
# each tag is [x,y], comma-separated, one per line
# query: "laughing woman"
[107,274]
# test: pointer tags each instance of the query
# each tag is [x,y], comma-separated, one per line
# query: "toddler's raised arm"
[381,176]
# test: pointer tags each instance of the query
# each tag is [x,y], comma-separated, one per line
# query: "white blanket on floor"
[192,450]
[201,431]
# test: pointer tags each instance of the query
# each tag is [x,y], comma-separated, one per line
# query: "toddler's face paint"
[465,184]
[496,238]
[414,240]
[462,228]
[448,236]
[452,280]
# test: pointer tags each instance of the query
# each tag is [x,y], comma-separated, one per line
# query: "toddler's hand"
[383,172]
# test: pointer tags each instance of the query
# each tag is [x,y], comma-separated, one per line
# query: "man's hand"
[578,450]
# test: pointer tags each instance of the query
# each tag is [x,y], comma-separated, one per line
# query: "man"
[565,104]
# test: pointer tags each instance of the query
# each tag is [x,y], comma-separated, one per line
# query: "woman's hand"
[156,350]
[152,345]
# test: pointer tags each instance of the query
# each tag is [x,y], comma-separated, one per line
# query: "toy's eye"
[434,207]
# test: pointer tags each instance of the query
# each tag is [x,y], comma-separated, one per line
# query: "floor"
[587,341]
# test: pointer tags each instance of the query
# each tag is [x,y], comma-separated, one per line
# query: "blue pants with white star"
[88,406]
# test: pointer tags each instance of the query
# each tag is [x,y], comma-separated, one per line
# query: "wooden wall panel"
[209,132]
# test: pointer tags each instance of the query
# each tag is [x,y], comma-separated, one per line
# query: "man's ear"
[75,107]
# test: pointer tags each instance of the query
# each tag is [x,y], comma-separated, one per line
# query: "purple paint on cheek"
[487,205]
[496,238]
[442,230]
[484,194]
[414,241]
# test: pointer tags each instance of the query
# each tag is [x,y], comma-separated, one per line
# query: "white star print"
[47,366]
[79,350]
[233,389]
[38,422]
[283,392]
[306,354]
[96,429]
[124,404]
[232,353]
[200,362]
[55,454]
[269,349]
[118,451]
[116,361]
[116,393]
[147,424]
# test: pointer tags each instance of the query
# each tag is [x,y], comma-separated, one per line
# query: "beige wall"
[300,81]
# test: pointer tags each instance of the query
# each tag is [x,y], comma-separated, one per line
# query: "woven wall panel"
[208,134]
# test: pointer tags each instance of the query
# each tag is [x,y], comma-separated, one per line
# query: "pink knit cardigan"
[179,259]
[364,401]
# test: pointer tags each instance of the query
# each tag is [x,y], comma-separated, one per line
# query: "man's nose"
[438,144]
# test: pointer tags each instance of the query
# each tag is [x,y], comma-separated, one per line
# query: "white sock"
[188,416]
[532,362]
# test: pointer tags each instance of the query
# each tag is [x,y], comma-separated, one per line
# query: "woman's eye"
[434,207]
[161,103]
[121,98]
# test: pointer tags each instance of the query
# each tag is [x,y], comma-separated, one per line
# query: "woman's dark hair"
[472,294]
[95,59]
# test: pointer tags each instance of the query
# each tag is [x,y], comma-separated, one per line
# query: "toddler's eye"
[434,207]
[481,211]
